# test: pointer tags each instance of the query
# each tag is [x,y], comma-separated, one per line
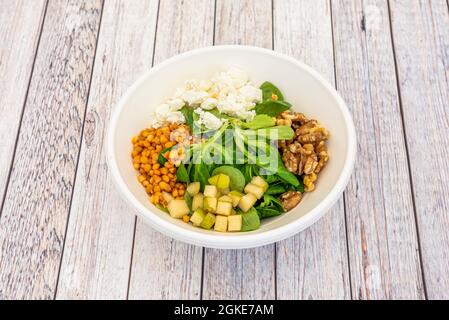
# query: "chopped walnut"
[306,154]
[290,199]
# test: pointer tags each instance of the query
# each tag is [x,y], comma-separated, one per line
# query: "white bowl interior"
[307,93]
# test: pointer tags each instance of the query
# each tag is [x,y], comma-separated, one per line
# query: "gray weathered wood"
[314,263]
[421,41]
[163,268]
[33,221]
[250,273]
[98,245]
[382,239]
[20,28]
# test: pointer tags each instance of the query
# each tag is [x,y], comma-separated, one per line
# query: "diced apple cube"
[210,191]
[193,188]
[223,181]
[235,222]
[225,199]
[210,204]
[197,201]
[178,208]
[224,191]
[221,224]
[247,202]
[260,182]
[255,190]
[213,180]
[197,217]
[167,197]
[224,208]
[208,221]
[235,196]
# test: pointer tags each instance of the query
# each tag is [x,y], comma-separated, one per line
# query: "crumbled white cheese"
[208,119]
[230,91]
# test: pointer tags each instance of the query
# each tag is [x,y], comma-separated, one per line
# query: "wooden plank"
[421,42]
[382,238]
[163,268]
[250,273]
[20,27]
[100,233]
[36,206]
[314,263]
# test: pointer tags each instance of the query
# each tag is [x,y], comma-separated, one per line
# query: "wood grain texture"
[35,211]
[382,239]
[249,273]
[314,263]
[421,41]
[20,28]
[163,268]
[98,245]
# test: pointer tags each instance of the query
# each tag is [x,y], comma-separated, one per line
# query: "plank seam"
[344,193]
[135,218]
[79,151]
[407,150]
[36,50]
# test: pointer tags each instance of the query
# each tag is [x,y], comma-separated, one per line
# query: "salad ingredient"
[223,182]
[197,217]
[260,182]
[167,197]
[208,221]
[272,107]
[210,191]
[197,201]
[235,196]
[193,188]
[178,208]
[225,198]
[250,220]
[224,208]
[271,92]
[260,121]
[208,120]
[210,204]
[186,218]
[235,222]
[255,190]
[213,180]
[306,154]
[154,177]
[182,175]
[290,199]
[237,180]
[247,202]
[221,223]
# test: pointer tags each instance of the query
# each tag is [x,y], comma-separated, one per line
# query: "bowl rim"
[247,240]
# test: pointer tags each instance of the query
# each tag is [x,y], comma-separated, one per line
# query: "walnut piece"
[306,154]
[290,199]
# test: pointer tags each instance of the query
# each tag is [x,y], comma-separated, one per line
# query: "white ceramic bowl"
[301,86]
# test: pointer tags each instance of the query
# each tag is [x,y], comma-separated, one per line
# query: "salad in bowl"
[224,154]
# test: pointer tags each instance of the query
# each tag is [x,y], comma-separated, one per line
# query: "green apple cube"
[255,190]
[235,222]
[235,196]
[210,191]
[213,180]
[224,208]
[197,201]
[260,182]
[225,199]
[193,188]
[210,204]
[178,208]
[223,181]
[221,223]
[167,197]
[208,221]
[247,202]
[197,217]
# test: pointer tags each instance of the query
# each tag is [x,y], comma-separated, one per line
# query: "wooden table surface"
[65,233]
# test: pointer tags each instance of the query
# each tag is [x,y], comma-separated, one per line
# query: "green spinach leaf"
[187,112]
[272,108]
[268,89]
[182,175]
